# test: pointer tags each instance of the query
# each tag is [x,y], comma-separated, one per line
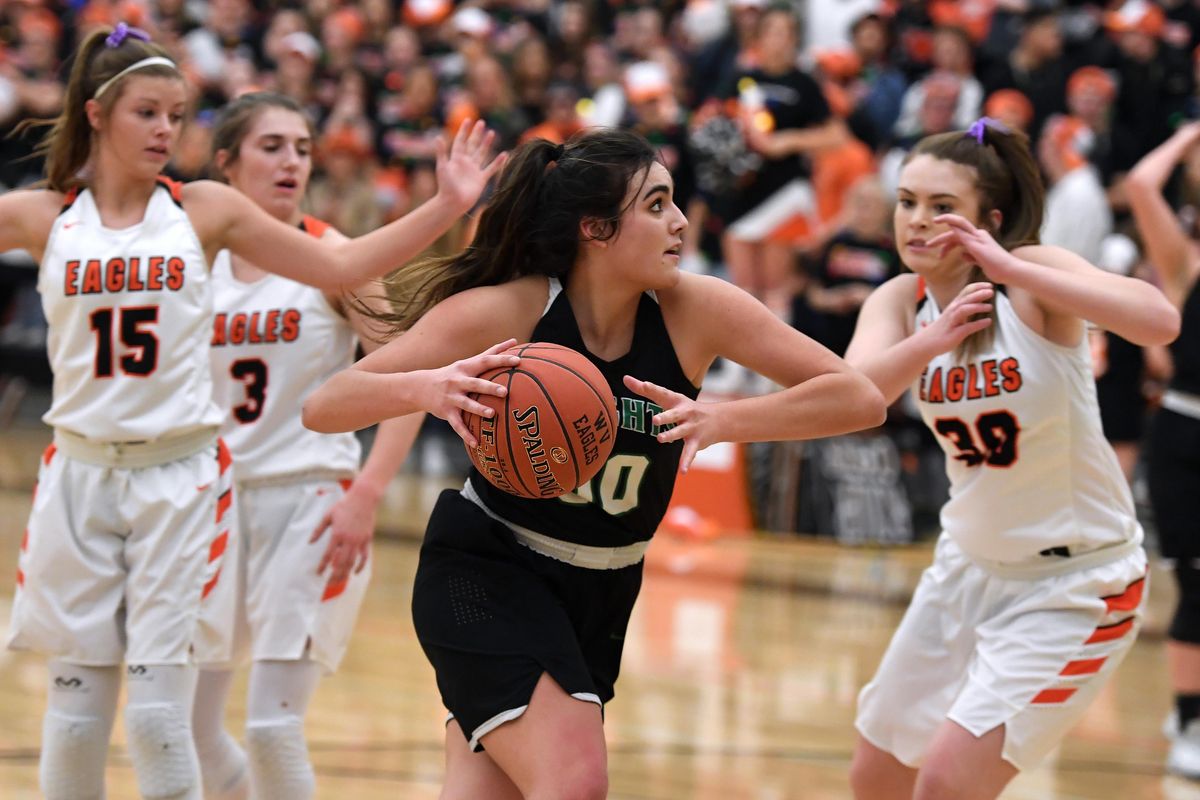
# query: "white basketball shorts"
[117,562]
[985,651]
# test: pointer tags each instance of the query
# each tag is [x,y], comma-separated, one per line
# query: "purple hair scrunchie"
[979,128]
[123,32]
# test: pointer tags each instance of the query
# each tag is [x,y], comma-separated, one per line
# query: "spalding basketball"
[554,429]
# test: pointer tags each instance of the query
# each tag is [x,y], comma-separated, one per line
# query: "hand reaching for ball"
[448,390]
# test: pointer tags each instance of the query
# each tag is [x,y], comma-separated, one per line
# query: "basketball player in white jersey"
[1037,584]
[122,558]
[274,342]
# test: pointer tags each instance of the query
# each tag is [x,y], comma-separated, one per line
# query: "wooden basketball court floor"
[742,665]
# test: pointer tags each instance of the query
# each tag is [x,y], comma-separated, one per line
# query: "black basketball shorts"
[1173,477]
[493,615]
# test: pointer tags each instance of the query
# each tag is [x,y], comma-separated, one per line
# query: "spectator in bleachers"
[951,54]
[713,65]
[489,97]
[1078,216]
[1035,67]
[602,85]
[939,104]
[882,85]
[560,114]
[343,195]
[785,118]
[296,70]
[29,87]
[1090,96]
[531,73]
[570,33]
[1010,107]
[859,257]
[1154,81]
[410,124]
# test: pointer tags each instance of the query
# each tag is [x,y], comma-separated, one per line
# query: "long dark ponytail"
[532,223]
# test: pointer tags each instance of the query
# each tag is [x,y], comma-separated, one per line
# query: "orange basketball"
[553,430]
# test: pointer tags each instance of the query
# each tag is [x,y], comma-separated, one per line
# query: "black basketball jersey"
[627,499]
[1185,350]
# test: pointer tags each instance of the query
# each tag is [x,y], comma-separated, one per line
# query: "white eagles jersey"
[274,342]
[129,313]
[1030,471]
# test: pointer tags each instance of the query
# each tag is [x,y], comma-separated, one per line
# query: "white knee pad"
[279,759]
[73,754]
[223,769]
[162,752]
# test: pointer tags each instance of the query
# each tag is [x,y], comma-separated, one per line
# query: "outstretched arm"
[1066,285]
[1167,246]
[225,218]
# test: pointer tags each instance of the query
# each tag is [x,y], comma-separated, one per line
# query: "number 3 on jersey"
[997,431]
[252,372]
[620,481]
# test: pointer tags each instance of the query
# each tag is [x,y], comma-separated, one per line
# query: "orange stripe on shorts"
[1106,633]
[20,578]
[333,590]
[25,541]
[217,548]
[48,456]
[1046,696]
[223,457]
[1085,666]
[1127,600]
[208,587]
[223,503]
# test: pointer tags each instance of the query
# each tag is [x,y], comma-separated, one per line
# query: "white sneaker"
[1184,756]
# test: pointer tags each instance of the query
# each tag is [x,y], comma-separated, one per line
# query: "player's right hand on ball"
[448,389]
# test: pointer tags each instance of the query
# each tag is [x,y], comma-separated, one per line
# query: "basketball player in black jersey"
[521,605]
[1173,449]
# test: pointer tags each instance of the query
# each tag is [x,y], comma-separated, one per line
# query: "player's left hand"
[465,166]
[352,525]
[977,243]
[695,422]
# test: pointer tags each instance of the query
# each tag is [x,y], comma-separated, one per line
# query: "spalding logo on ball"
[554,429]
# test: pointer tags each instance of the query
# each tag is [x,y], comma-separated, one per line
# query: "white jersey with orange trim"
[129,315]
[1030,471]
[274,341]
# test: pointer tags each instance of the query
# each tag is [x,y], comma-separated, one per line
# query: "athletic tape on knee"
[1185,625]
[162,752]
[73,754]
[279,760]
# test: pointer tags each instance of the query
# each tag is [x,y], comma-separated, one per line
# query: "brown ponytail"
[67,145]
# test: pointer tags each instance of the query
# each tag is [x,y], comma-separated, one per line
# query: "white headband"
[152,61]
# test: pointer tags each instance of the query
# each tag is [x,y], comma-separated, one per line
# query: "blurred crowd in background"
[784,124]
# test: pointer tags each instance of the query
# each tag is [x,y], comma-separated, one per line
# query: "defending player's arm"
[823,396]
[225,218]
[892,357]
[1169,250]
[1066,285]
